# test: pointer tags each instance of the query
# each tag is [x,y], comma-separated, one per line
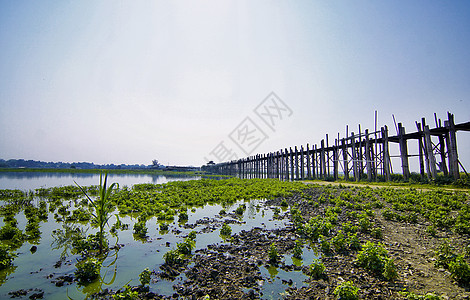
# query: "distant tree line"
[34,164]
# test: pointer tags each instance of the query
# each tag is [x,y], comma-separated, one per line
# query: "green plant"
[163,226]
[324,245]
[297,251]
[183,217]
[226,230]
[339,242]
[346,291]
[413,296]
[316,269]
[6,257]
[390,271]
[444,255]
[186,247]
[374,257]
[88,270]
[377,233]
[240,209]
[460,269]
[126,294]
[144,277]
[431,230]
[140,228]
[192,235]
[173,257]
[353,242]
[103,206]
[273,256]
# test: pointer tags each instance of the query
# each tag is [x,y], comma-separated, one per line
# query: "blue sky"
[132,81]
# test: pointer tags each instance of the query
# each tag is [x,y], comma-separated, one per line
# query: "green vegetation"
[103,206]
[144,277]
[297,251]
[316,270]
[273,255]
[374,257]
[456,264]
[6,258]
[88,270]
[226,230]
[346,291]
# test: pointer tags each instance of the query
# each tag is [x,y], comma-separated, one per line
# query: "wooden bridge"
[362,155]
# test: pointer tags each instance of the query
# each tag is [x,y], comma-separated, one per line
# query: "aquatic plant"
[6,257]
[297,251]
[273,256]
[126,294]
[103,206]
[140,228]
[88,270]
[346,291]
[173,257]
[226,230]
[316,269]
[144,277]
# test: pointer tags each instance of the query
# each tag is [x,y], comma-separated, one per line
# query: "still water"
[32,180]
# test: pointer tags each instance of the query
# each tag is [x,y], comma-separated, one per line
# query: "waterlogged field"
[235,239]
[49,233]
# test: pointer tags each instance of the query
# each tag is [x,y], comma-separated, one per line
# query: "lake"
[33,180]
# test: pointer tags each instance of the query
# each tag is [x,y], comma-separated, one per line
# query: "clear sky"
[132,81]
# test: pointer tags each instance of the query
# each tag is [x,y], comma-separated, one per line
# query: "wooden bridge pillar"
[309,171]
[403,152]
[452,147]
[430,154]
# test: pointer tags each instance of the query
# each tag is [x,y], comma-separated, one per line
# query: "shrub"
[192,235]
[240,210]
[163,226]
[186,247]
[346,291]
[375,258]
[88,270]
[7,232]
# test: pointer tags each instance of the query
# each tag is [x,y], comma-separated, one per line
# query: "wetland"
[235,239]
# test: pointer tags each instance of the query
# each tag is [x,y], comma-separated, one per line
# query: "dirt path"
[376,186]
